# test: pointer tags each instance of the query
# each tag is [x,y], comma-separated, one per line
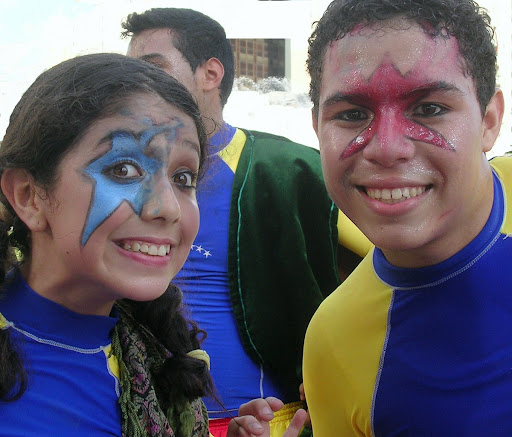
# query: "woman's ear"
[19,189]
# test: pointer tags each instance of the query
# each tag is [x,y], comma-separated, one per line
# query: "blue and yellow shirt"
[419,352]
[264,258]
[73,385]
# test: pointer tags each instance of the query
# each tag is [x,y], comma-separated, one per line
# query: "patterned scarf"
[139,355]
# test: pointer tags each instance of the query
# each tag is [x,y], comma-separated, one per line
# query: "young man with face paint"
[265,254]
[416,341]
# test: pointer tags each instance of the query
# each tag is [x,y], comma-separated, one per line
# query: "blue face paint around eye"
[109,192]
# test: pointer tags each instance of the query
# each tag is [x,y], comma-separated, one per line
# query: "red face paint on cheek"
[389,94]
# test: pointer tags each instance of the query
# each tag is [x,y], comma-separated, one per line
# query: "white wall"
[501,18]
[36,35]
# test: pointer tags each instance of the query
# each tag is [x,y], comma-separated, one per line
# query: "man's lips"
[394,195]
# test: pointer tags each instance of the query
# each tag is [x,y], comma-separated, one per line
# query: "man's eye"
[429,109]
[125,170]
[157,64]
[352,115]
[184,178]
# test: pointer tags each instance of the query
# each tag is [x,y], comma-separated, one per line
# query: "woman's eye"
[429,109]
[352,115]
[125,170]
[184,178]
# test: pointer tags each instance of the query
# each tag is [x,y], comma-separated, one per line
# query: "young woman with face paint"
[98,172]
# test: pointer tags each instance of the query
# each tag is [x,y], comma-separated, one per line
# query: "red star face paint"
[402,138]
[389,95]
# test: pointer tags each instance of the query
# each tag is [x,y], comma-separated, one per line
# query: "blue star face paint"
[111,189]
[123,212]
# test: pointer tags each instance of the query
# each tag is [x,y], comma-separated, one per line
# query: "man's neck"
[212,124]
[211,111]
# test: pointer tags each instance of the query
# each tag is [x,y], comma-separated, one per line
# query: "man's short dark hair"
[197,36]
[461,19]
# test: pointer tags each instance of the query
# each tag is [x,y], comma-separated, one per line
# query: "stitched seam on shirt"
[109,370]
[262,377]
[238,248]
[381,364]
[452,275]
[57,344]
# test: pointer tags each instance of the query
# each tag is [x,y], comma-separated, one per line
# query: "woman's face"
[123,215]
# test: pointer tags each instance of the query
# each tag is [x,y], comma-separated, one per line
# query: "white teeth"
[147,248]
[396,193]
[393,195]
[386,194]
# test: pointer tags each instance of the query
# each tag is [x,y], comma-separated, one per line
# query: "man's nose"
[390,142]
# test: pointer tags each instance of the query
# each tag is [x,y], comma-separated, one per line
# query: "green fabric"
[282,251]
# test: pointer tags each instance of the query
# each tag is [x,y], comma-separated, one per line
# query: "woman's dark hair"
[47,123]
[461,19]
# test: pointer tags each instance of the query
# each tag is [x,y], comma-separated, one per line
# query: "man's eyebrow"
[339,97]
[152,57]
[354,97]
[434,87]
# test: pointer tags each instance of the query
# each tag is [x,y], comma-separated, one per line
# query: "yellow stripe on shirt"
[342,352]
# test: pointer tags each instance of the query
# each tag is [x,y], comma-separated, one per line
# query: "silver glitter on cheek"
[421,169]
[359,141]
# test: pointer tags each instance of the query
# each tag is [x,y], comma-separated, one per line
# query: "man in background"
[268,249]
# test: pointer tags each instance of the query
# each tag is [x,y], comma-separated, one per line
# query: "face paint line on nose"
[387,94]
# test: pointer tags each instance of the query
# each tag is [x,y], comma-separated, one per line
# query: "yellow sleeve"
[342,351]
[351,237]
[503,167]
[3,322]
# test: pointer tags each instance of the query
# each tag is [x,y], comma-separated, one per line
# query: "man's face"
[156,46]
[402,139]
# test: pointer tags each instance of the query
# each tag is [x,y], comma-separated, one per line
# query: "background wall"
[38,34]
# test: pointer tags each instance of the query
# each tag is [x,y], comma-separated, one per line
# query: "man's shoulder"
[359,288]
[502,166]
[262,139]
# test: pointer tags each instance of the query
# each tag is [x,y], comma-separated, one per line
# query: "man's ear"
[19,189]
[492,120]
[314,119]
[213,73]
